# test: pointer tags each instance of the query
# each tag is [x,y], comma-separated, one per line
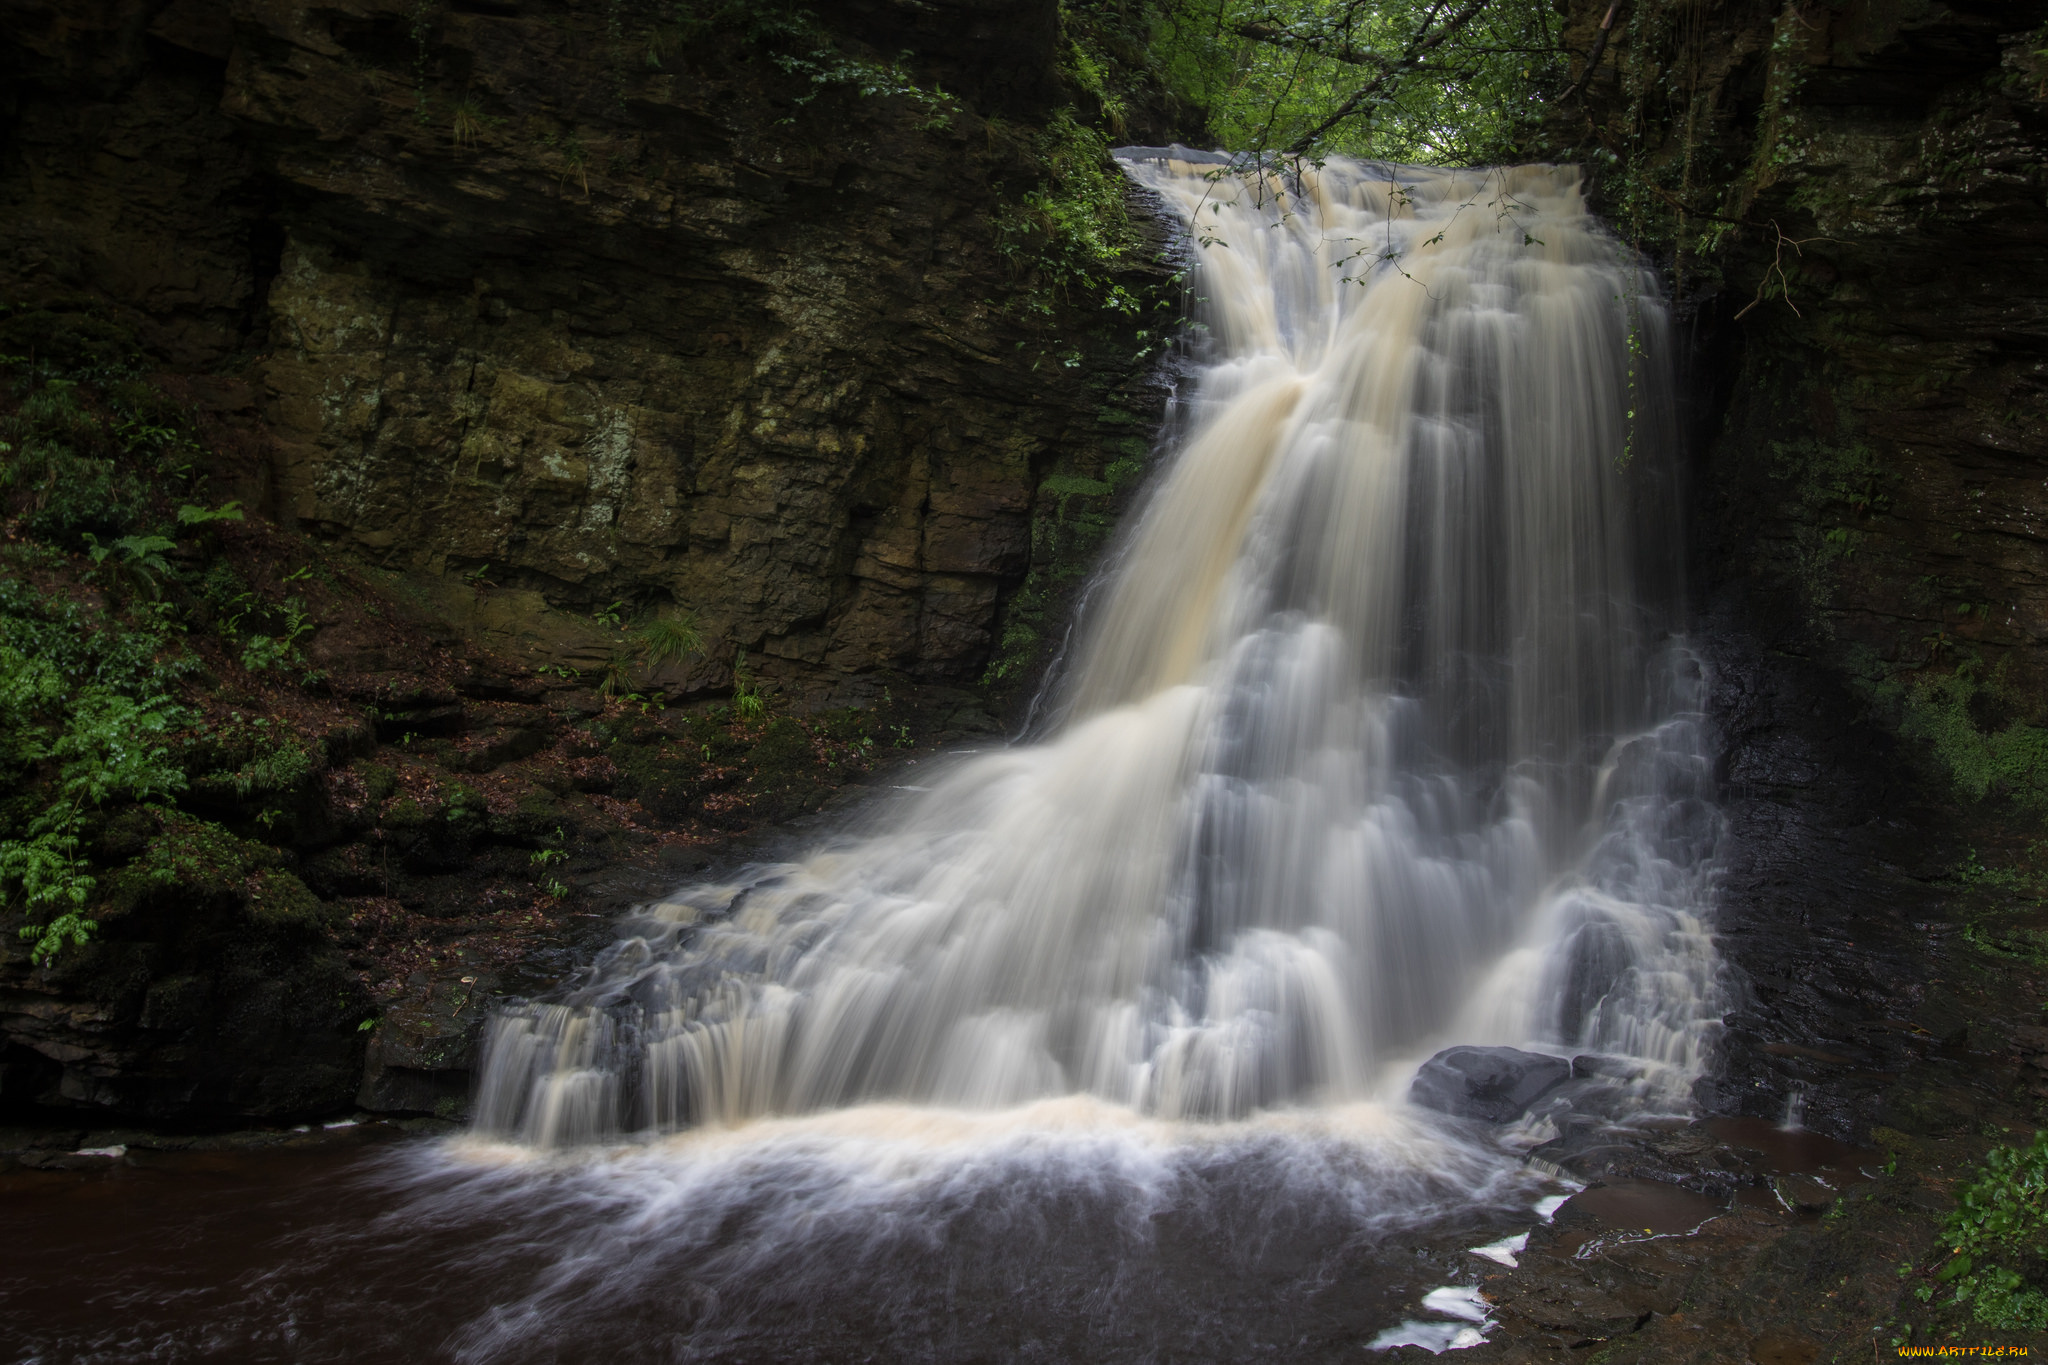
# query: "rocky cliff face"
[526,322]
[587,307]
[1850,201]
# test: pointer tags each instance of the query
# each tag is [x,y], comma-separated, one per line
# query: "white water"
[1378,739]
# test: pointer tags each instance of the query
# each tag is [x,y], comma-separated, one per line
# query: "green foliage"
[253,757]
[85,719]
[58,461]
[200,860]
[1682,184]
[669,639]
[1943,709]
[87,716]
[749,703]
[91,648]
[65,342]
[54,887]
[1396,80]
[268,633]
[794,39]
[2001,1222]
[114,746]
[1074,227]
[191,514]
[132,561]
[464,803]
[98,746]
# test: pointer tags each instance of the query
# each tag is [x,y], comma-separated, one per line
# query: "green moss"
[715,741]
[379,782]
[195,855]
[1072,519]
[280,901]
[668,780]
[407,813]
[537,818]
[1834,488]
[1942,710]
[1064,486]
[787,777]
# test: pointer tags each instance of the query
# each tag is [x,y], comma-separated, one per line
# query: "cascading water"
[1377,738]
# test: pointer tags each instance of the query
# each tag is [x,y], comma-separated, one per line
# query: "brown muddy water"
[1058,1232]
[879,1236]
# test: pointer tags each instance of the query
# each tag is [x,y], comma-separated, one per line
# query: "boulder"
[1497,1084]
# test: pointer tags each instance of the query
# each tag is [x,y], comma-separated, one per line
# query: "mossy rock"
[190,857]
[379,782]
[408,815]
[537,819]
[279,901]
[788,777]
[670,780]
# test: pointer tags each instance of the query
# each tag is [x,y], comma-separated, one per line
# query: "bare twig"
[1777,268]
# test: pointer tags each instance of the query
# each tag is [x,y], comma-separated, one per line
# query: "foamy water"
[1380,737]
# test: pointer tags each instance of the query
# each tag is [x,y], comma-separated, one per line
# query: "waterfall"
[1380,735]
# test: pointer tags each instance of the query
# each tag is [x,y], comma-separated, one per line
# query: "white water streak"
[1377,738]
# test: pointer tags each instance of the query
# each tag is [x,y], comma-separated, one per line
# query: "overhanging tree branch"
[1410,59]
[1593,58]
[1280,37]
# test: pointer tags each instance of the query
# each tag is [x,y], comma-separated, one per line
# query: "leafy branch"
[1424,42]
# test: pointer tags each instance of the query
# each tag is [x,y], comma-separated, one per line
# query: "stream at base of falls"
[1059,1232]
[1381,735]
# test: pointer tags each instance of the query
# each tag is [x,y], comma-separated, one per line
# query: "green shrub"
[1071,232]
[56,460]
[1999,1228]
[103,747]
[131,562]
[71,496]
[253,758]
[91,648]
[74,344]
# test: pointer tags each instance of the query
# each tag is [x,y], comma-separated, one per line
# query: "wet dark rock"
[1496,1084]
[1593,1066]
[423,1048]
[762,358]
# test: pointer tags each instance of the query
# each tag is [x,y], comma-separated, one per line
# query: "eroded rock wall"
[541,318]
[547,307]
[1852,202]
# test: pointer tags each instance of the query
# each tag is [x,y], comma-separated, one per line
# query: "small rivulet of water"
[1378,737]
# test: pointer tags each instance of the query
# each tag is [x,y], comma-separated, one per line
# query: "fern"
[105,747]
